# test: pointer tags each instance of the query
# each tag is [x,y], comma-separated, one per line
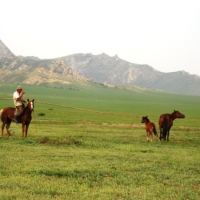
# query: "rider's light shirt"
[15,96]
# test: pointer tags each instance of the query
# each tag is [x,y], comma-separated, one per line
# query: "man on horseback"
[18,102]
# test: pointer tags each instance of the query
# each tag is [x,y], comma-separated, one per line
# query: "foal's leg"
[148,134]
[151,136]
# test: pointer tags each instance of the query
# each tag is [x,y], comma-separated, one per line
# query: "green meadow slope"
[119,105]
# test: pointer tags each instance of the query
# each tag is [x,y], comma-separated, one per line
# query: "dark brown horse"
[166,122]
[150,127]
[7,115]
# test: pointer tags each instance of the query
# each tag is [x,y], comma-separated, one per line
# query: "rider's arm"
[20,96]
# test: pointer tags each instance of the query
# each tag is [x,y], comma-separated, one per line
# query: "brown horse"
[7,115]
[150,127]
[166,122]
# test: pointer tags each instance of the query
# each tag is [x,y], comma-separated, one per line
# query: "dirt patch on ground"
[95,124]
[110,125]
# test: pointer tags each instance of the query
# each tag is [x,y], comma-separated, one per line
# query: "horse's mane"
[146,118]
[173,112]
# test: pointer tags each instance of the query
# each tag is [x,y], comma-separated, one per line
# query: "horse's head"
[145,119]
[30,104]
[177,114]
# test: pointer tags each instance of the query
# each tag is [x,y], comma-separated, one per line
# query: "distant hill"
[80,69]
[113,70]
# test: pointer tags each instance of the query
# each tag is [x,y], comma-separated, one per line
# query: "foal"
[150,127]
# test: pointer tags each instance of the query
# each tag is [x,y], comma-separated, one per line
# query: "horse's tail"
[154,129]
[165,127]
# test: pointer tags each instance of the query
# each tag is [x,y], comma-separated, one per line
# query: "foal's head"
[145,119]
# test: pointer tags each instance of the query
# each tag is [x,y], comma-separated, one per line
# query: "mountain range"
[87,68]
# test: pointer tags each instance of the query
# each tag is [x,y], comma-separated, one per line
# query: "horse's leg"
[161,132]
[168,134]
[27,125]
[23,129]
[2,129]
[7,128]
[164,134]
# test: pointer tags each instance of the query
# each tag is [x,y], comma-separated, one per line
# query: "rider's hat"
[19,87]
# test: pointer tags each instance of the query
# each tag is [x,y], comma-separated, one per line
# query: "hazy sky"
[164,34]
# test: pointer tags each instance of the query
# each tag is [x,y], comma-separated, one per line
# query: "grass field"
[89,143]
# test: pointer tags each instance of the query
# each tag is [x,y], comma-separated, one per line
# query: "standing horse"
[166,122]
[150,127]
[7,115]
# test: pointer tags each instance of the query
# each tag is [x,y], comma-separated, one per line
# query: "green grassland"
[88,143]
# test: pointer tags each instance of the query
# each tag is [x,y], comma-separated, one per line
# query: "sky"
[164,34]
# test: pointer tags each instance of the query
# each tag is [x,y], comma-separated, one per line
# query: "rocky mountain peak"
[4,51]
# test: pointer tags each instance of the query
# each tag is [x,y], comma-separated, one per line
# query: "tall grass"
[100,150]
